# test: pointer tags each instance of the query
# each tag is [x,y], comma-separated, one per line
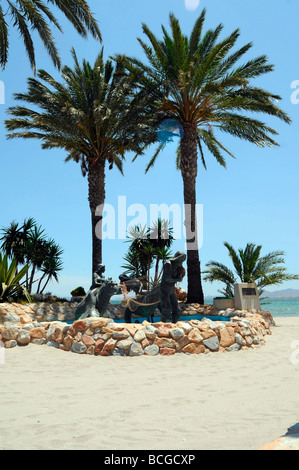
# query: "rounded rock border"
[103,337]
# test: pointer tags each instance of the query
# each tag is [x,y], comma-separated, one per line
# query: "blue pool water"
[183,318]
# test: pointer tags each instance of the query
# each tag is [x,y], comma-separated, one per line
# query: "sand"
[52,399]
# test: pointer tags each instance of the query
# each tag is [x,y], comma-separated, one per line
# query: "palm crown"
[37,15]
[204,88]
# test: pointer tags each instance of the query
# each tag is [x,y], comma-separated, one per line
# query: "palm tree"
[95,116]
[249,266]
[37,15]
[148,246]
[204,91]
[161,238]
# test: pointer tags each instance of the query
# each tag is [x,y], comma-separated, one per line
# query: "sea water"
[280,307]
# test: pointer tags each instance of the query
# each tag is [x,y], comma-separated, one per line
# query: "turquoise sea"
[282,307]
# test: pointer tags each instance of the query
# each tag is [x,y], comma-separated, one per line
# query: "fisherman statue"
[173,272]
[162,296]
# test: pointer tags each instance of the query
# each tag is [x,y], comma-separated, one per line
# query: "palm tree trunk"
[156,270]
[46,283]
[189,174]
[96,197]
[39,284]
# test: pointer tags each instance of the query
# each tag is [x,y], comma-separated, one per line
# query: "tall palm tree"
[204,91]
[249,266]
[37,15]
[94,115]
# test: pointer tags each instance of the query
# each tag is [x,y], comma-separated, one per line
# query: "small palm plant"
[249,266]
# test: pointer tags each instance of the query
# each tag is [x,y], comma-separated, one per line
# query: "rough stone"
[78,348]
[23,337]
[38,332]
[150,331]
[125,343]
[57,334]
[52,343]
[139,336]
[10,332]
[165,343]
[11,343]
[234,347]
[227,337]
[99,345]
[177,333]
[240,340]
[136,349]
[163,331]
[194,348]
[212,343]
[80,325]
[109,345]
[167,351]
[151,350]
[181,343]
[121,334]
[195,336]
[88,340]
[118,352]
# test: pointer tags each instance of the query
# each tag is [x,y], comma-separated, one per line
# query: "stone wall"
[103,337]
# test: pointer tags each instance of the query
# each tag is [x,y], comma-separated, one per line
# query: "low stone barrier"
[65,311]
[103,337]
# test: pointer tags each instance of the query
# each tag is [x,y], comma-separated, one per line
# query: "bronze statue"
[96,302]
[162,296]
[173,272]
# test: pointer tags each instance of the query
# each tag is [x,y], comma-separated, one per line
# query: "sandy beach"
[52,399]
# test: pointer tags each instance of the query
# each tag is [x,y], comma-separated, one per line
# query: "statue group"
[161,297]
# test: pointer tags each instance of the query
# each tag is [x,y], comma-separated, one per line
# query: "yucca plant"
[39,15]
[11,286]
[206,92]
[249,266]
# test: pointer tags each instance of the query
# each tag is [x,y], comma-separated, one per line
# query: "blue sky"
[254,200]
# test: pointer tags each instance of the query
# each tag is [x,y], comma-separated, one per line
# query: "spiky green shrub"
[10,285]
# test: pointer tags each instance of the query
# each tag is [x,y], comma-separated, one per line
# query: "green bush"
[78,292]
